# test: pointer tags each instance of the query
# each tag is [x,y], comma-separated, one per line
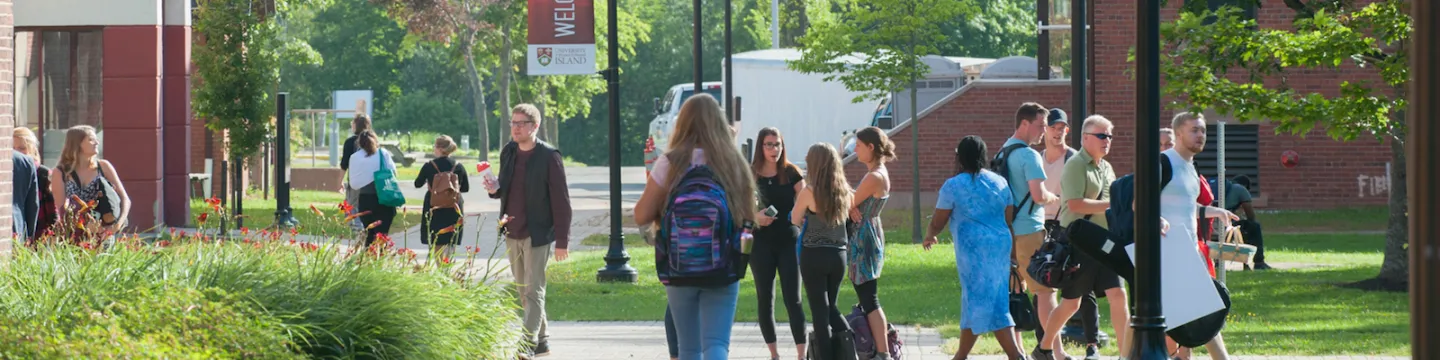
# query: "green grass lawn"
[1361,218]
[260,213]
[1278,312]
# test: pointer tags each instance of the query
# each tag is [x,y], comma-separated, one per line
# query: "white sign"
[1187,292]
[351,100]
[561,59]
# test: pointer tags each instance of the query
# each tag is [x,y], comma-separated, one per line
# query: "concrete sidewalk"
[570,340]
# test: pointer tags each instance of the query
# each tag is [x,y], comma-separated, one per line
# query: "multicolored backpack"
[698,243]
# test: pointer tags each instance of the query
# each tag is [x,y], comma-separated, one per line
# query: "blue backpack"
[698,243]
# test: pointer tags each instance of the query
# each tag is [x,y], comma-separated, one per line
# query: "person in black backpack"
[439,215]
[700,262]
[1022,167]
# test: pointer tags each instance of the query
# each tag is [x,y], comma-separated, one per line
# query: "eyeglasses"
[1102,136]
[521,123]
[773,145]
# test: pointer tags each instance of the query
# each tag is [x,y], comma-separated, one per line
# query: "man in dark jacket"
[26,195]
[534,197]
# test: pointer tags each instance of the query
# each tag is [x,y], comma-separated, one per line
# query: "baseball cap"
[1057,116]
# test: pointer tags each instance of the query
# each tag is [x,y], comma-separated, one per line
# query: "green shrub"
[327,303]
[169,322]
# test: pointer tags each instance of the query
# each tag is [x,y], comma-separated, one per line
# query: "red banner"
[562,37]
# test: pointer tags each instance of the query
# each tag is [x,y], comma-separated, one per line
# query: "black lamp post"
[1149,318]
[284,218]
[617,261]
[699,65]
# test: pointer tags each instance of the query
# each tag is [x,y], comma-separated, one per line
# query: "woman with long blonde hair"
[82,170]
[822,207]
[703,313]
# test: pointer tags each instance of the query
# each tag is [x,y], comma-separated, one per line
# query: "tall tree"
[363,49]
[461,23]
[238,66]
[1206,46]
[890,36]
[1005,28]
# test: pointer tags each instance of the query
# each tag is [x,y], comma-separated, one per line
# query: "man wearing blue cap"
[1057,152]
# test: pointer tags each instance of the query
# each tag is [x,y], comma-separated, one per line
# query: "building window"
[58,85]
[1242,153]
[1197,6]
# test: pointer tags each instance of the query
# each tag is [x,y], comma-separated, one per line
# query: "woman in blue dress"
[974,203]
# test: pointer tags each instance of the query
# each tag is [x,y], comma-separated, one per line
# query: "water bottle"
[747,241]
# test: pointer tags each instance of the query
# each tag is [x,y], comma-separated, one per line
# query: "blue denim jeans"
[703,318]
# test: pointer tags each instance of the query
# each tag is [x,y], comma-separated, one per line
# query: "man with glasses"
[1085,194]
[534,196]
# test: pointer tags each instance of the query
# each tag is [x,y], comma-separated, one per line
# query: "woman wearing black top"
[440,218]
[360,124]
[774,251]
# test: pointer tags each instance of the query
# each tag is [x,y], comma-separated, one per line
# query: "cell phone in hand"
[770,211]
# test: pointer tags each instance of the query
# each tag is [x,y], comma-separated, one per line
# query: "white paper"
[1187,292]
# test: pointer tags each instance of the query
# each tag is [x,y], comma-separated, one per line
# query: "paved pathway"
[588,340]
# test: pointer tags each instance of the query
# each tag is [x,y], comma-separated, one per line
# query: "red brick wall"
[986,109]
[7,120]
[1328,172]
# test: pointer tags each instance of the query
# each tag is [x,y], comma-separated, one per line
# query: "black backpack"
[1000,165]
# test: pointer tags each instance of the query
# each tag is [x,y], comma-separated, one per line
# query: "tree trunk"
[1395,269]
[506,68]
[790,35]
[917,235]
[478,92]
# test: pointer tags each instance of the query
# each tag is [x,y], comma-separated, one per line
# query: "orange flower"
[293,231]
[356,216]
[346,207]
[374,225]
[446,230]
[203,217]
[316,210]
[246,231]
[213,201]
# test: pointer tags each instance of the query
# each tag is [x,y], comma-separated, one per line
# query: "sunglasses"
[773,145]
[1102,136]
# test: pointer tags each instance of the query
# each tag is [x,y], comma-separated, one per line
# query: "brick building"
[1329,174]
[7,117]
[122,66]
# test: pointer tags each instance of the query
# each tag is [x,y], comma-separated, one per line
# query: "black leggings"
[775,252]
[869,296]
[384,214]
[822,269]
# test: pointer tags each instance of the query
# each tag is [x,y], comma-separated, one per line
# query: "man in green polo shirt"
[1085,194]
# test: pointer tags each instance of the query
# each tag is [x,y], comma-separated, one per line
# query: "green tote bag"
[385,185]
